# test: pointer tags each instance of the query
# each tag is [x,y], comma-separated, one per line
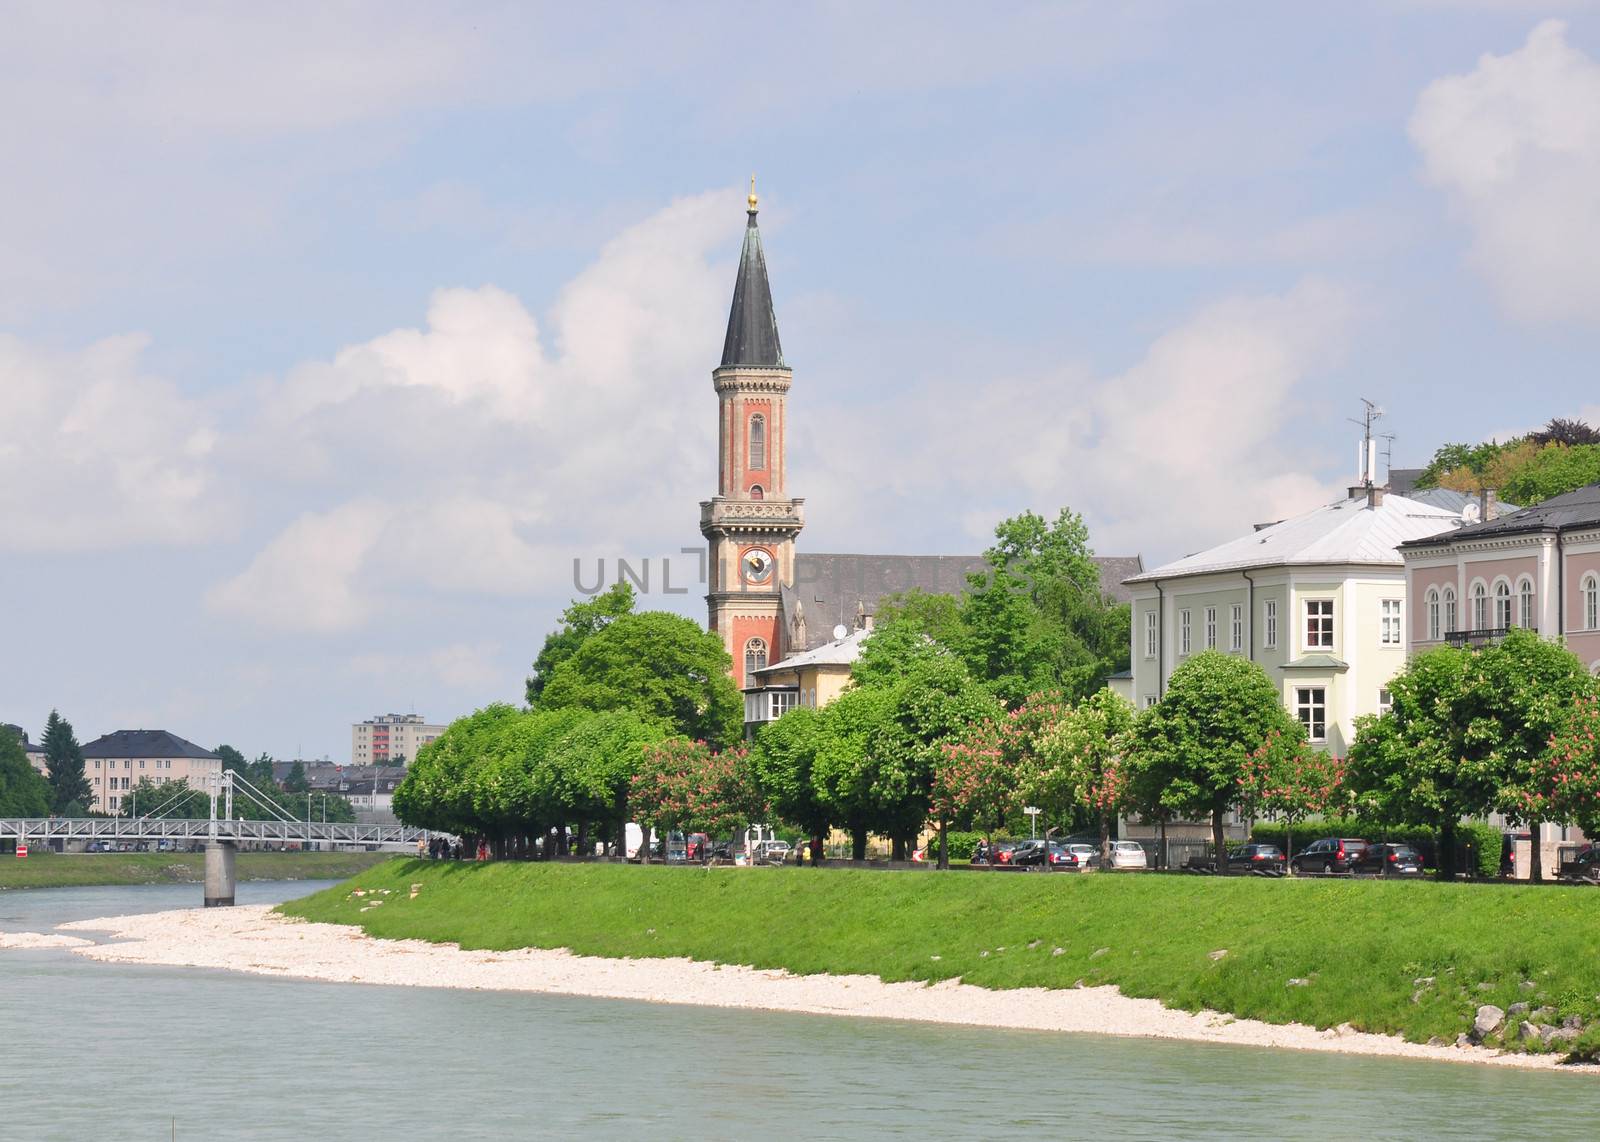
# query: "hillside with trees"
[1559,458]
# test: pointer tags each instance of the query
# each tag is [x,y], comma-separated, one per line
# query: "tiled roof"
[144,743]
[830,589]
[1577,509]
[1346,531]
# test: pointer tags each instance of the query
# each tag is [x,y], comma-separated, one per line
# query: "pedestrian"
[483,850]
[980,855]
[422,847]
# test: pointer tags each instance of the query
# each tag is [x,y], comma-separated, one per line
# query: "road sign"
[22,850]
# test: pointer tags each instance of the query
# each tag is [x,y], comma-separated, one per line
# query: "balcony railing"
[1485,637]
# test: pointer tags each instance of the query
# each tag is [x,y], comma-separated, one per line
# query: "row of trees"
[62,790]
[1561,457]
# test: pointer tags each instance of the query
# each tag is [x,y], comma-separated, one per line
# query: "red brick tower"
[751,523]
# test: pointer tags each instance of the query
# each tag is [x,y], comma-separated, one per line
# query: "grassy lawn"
[1363,948]
[48,870]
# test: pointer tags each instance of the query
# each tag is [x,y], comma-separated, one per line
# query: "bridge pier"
[220,878]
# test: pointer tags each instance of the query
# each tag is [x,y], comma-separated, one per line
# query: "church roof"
[752,326]
[832,590]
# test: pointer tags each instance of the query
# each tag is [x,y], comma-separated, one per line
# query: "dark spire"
[752,326]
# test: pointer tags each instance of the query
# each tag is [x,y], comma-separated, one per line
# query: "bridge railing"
[185,828]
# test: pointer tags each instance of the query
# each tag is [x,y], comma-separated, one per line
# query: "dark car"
[1001,851]
[1330,855]
[99,847]
[1584,867]
[1036,854]
[1389,860]
[1267,860]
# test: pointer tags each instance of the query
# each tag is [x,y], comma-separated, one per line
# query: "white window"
[1449,598]
[780,703]
[1390,633]
[1183,632]
[1385,701]
[1525,604]
[755,655]
[1236,629]
[1151,635]
[1270,639]
[1480,606]
[1211,628]
[1311,707]
[1591,601]
[1149,700]
[758,442]
[1433,614]
[1319,624]
[1502,604]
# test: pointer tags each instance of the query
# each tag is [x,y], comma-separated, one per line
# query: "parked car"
[99,847]
[698,847]
[1508,853]
[1330,855]
[1584,867]
[1267,860]
[1128,854]
[1001,851]
[1088,856]
[773,852]
[1389,860]
[1036,854]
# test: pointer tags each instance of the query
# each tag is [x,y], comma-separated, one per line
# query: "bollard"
[219,874]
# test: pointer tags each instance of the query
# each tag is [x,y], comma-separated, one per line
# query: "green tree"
[929,708]
[661,666]
[23,793]
[69,788]
[231,758]
[578,622]
[683,784]
[840,771]
[593,765]
[1082,762]
[1464,733]
[1194,744]
[295,781]
[784,761]
[437,790]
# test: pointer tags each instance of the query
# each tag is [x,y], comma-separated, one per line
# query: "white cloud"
[1193,443]
[1516,145]
[469,667]
[97,454]
[480,454]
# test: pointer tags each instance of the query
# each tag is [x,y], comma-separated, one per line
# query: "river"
[109,1052]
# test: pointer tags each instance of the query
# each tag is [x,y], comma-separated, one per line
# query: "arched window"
[758,442]
[1480,606]
[1433,614]
[1525,604]
[755,655]
[757,492]
[1502,604]
[1591,602]
[1449,598]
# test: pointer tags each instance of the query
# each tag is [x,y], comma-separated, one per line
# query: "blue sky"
[331,335]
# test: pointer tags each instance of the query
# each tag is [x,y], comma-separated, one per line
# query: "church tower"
[752,522]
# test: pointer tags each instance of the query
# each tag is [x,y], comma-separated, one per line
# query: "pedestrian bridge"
[41,829]
[223,831]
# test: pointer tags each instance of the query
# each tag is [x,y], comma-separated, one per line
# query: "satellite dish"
[840,632]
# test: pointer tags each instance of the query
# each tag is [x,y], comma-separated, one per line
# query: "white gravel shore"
[254,939]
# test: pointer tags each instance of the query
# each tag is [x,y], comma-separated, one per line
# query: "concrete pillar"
[219,874]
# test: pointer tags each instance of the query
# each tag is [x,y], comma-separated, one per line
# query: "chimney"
[1374,495]
[1486,505]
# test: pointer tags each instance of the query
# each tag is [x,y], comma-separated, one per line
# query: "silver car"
[1128,854]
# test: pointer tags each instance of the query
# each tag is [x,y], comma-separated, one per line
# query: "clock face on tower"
[757,565]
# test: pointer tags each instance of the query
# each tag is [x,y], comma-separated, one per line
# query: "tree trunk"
[1535,863]
[1288,846]
[1219,841]
[944,843]
[621,808]
[858,842]
[1447,850]
[583,837]
[816,849]
[1165,859]
[644,843]
[897,848]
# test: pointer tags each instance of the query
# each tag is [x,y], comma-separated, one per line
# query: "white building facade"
[117,762]
[382,739]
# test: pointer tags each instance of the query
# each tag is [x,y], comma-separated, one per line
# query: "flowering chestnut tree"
[1285,777]
[683,784]
[973,776]
[1563,781]
[1083,762]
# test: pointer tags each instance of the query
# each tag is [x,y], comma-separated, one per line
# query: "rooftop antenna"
[1367,458]
[1388,454]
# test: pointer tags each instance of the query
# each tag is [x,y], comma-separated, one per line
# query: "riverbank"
[1416,960]
[260,941]
[81,870]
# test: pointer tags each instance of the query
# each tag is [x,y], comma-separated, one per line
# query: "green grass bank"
[1413,959]
[49,870]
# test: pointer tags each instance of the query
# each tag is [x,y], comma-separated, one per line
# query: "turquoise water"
[113,1052]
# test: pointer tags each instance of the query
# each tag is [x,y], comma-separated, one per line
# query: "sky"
[343,345]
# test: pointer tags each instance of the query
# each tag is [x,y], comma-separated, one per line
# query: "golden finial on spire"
[752,199]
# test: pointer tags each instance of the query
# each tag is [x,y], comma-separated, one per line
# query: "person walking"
[422,847]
